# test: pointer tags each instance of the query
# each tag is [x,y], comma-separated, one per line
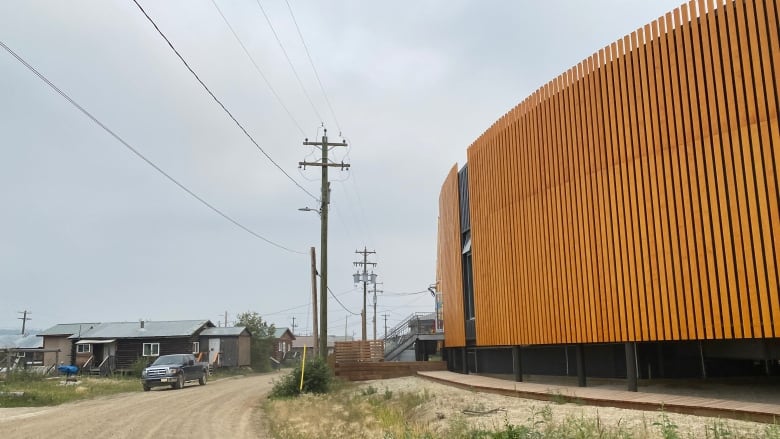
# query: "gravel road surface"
[227,408]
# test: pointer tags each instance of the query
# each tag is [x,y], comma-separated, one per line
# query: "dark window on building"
[468,278]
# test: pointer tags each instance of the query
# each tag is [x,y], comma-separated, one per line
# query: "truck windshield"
[168,359]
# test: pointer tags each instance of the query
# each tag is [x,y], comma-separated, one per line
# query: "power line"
[391,293]
[316,75]
[305,304]
[259,71]
[138,153]
[342,305]
[213,96]
[295,72]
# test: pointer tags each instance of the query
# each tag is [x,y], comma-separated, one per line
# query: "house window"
[195,347]
[151,349]
[83,348]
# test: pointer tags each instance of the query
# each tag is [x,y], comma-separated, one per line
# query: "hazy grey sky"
[89,232]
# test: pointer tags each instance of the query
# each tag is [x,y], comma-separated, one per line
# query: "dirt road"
[227,408]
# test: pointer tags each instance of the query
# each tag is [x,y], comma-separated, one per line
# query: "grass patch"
[38,392]
[372,411]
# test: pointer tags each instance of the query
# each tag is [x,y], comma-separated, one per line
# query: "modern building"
[624,219]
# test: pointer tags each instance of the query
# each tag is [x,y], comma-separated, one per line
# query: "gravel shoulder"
[227,407]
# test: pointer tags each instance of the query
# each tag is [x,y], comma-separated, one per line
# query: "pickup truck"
[174,370]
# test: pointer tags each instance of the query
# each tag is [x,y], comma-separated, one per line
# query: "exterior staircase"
[405,334]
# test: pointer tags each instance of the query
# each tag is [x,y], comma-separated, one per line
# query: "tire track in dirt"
[224,408]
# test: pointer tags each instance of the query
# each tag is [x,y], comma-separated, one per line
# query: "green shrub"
[138,366]
[317,378]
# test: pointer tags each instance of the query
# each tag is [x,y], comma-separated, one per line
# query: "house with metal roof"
[227,347]
[117,346]
[17,350]
[283,343]
[58,348]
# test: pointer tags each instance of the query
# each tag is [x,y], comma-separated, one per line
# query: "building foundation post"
[631,366]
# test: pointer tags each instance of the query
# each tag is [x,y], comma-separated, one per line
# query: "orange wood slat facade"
[449,279]
[633,198]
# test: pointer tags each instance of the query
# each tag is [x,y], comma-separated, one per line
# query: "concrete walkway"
[691,405]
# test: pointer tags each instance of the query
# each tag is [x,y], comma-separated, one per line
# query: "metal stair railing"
[403,335]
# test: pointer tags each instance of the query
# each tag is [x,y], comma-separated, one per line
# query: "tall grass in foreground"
[29,390]
[367,412]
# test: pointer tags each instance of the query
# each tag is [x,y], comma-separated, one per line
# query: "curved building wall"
[634,197]
[448,265]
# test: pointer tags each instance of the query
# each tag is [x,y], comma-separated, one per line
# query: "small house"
[283,343]
[20,351]
[57,338]
[107,347]
[227,347]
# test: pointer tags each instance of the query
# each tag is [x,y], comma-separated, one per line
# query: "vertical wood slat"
[639,234]
[710,232]
[635,196]
[652,272]
[763,175]
[668,138]
[723,240]
[770,104]
[745,164]
[690,221]
[559,296]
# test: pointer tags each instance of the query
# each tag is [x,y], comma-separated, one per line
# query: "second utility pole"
[365,280]
[324,200]
[375,291]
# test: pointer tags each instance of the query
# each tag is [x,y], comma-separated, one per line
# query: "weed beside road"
[30,390]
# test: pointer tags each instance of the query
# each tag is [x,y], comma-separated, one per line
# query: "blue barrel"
[70,370]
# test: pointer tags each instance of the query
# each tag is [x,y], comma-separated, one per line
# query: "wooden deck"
[690,405]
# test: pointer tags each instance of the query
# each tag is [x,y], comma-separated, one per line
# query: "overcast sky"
[90,232]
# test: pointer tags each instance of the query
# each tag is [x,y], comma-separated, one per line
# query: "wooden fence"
[359,351]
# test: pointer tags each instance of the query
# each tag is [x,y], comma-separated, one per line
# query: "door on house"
[97,354]
[213,350]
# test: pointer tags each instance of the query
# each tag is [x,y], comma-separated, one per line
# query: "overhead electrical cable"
[259,71]
[337,300]
[289,61]
[391,293]
[141,156]
[316,75]
[304,305]
[249,136]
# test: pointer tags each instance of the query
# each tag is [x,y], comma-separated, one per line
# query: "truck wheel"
[147,388]
[179,382]
[202,379]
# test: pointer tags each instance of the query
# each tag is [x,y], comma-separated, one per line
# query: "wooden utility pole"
[293,325]
[324,146]
[315,328]
[385,316]
[364,278]
[24,319]
[374,320]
